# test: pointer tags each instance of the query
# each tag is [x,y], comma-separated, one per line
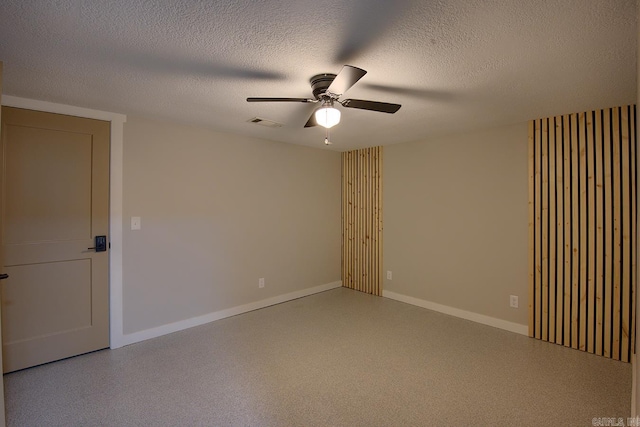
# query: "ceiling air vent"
[265,122]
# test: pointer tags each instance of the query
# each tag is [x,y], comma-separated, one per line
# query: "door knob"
[100,244]
[4,276]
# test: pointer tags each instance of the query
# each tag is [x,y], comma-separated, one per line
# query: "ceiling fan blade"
[312,120]
[280,100]
[383,107]
[347,77]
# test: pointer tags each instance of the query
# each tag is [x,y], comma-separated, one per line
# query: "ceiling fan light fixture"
[328,116]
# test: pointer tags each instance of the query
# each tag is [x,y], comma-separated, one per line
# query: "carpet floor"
[338,358]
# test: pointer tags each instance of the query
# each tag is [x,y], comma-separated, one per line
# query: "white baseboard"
[468,315]
[217,315]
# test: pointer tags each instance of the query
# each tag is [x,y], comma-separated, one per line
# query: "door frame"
[115,198]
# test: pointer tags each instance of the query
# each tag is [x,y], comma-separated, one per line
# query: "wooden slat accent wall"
[582,231]
[362,220]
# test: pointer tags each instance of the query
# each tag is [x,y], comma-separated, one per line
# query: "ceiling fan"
[327,89]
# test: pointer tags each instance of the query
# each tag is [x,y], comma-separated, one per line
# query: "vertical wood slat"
[545,229]
[634,232]
[608,235]
[582,231]
[599,212]
[583,236]
[538,227]
[553,271]
[571,231]
[634,221]
[591,233]
[563,196]
[531,231]
[362,220]
[617,244]
[625,280]
[575,235]
[564,230]
[377,225]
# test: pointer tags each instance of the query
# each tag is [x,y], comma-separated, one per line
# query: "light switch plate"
[136,223]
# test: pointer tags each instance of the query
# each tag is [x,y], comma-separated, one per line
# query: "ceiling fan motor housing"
[320,83]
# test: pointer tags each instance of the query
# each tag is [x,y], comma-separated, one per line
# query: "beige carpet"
[339,358]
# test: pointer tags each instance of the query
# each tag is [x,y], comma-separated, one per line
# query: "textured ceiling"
[454,65]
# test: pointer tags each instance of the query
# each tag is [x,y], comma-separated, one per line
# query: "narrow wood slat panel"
[348,225]
[378,235]
[368,278]
[343,207]
[376,229]
[349,206]
[608,235]
[591,235]
[354,231]
[538,227]
[364,282]
[358,246]
[634,222]
[378,187]
[342,217]
[369,220]
[617,244]
[362,227]
[379,216]
[368,212]
[356,217]
[531,241]
[546,129]
[352,225]
[583,283]
[559,225]
[599,212]
[364,277]
[351,221]
[564,232]
[371,216]
[564,228]
[373,237]
[553,267]
[625,282]
[575,230]
[360,263]
[343,211]
[345,217]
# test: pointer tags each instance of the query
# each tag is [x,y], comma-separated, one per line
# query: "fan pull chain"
[326,138]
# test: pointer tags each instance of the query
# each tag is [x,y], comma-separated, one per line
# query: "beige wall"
[218,212]
[455,221]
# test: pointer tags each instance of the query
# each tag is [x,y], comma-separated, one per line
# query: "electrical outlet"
[513,301]
[261,282]
[389,275]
